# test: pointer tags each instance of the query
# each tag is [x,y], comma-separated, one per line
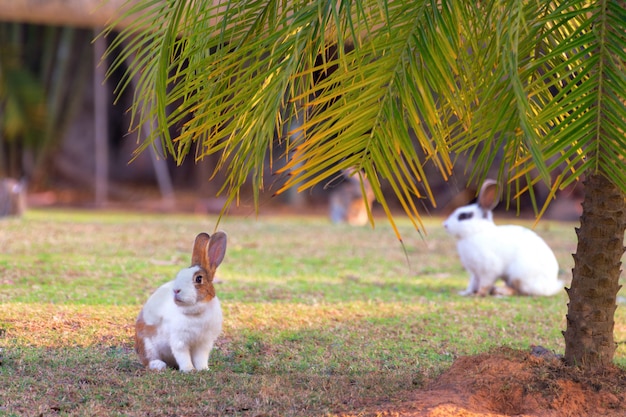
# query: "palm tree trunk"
[590,317]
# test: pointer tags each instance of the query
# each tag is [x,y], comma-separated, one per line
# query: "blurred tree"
[22,106]
[42,73]
[540,85]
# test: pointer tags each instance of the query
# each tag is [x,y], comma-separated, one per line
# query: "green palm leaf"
[386,87]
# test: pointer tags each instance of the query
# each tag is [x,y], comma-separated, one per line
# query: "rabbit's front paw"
[157,365]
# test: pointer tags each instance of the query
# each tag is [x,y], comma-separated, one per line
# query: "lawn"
[319,319]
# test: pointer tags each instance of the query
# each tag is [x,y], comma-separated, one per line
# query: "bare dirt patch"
[508,382]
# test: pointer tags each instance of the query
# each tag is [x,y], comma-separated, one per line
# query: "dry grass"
[319,319]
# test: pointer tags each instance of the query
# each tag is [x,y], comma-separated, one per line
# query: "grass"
[319,319]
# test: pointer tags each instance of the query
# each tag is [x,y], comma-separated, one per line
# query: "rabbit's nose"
[177,291]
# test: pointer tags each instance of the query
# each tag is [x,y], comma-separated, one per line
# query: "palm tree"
[389,87]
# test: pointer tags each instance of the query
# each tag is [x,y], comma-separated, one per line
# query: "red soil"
[508,382]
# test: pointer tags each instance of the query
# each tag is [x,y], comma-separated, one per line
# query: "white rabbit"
[181,320]
[513,253]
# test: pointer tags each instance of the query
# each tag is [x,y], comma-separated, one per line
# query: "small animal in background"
[510,252]
[12,197]
[181,320]
[346,200]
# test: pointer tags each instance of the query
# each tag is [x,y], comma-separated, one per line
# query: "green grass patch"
[319,318]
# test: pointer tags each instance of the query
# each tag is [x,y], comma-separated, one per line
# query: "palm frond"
[386,87]
[236,87]
[555,91]
[585,115]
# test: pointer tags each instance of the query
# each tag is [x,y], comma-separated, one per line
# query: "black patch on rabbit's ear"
[466,215]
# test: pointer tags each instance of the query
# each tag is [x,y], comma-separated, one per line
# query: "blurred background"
[65,139]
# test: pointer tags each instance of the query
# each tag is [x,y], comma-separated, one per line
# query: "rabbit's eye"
[466,216]
[198,279]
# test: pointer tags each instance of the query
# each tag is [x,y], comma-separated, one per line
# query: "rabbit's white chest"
[196,323]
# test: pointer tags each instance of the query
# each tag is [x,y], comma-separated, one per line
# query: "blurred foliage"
[43,71]
[22,106]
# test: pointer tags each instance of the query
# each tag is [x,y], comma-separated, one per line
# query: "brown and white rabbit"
[181,320]
[509,252]
[347,203]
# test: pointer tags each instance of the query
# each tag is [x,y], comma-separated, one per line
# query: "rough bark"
[590,317]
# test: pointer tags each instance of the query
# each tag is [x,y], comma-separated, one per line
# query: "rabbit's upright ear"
[488,196]
[199,254]
[216,250]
